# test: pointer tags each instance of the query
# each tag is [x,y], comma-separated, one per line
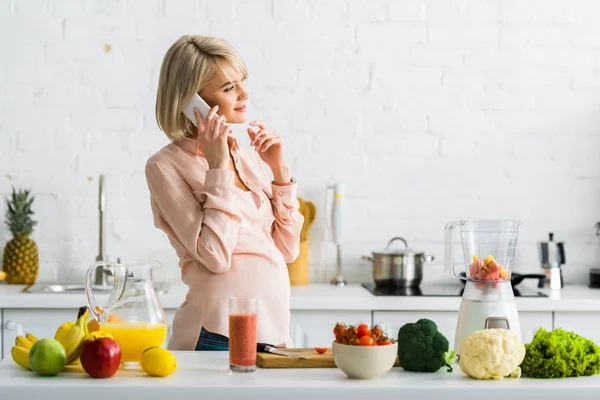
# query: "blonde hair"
[187,67]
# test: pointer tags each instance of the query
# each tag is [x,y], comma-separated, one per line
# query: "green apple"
[47,357]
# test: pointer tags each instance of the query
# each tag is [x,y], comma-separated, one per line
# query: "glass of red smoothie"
[242,334]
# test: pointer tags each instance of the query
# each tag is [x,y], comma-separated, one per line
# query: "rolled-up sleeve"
[207,228]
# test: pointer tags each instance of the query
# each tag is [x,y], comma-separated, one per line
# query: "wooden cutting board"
[315,360]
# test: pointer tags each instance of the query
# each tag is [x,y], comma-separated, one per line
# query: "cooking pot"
[398,267]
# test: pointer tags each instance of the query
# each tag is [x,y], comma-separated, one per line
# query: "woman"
[232,228]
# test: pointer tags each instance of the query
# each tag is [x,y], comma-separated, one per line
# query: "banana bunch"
[71,335]
[20,351]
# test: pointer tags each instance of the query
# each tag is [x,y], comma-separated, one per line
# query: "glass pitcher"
[488,249]
[133,314]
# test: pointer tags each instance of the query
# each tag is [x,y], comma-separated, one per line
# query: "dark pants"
[209,341]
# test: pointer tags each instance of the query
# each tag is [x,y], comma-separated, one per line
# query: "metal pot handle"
[428,258]
[367,258]
[397,238]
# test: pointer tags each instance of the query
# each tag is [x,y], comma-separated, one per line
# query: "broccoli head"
[422,348]
[560,354]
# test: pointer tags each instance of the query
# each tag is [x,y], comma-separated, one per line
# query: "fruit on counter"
[20,356]
[93,325]
[560,354]
[97,335]
[2,275]
[20,351]
[157,361]
[361,335]
[492,354]
[366,341]
[20,260]
[100,356]
[362,330]
[23,341]
[422,348]
[71,336]
[62,330]
[339,331]
[32,337]
[351,335]
[487,269]
[321,350]
[47,357]
[81,311]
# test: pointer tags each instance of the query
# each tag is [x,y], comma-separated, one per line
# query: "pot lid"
[406,251]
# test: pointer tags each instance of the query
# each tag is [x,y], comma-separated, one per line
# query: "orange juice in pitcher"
[133,314]
[133,338]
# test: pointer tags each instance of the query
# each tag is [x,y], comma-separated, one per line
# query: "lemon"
[157,361]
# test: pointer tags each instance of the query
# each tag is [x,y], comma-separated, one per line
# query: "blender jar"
[488,248]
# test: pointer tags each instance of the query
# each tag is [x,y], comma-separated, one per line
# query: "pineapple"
[21,260]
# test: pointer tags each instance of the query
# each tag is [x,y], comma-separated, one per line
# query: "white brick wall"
[429,110]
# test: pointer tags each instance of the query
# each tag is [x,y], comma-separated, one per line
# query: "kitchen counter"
[205,375]
[325,297]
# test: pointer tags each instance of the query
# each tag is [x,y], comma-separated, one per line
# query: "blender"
[488,300]
[335,223]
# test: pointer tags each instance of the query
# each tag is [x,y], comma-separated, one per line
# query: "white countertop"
[205,375]
[327,297]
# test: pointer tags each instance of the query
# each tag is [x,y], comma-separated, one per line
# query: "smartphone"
[200,104]
[204,108]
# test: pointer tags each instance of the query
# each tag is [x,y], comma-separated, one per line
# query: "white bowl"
[364,362]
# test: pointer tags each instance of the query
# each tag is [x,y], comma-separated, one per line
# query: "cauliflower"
[492,354]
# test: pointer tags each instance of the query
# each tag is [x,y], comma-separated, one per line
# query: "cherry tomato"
[362,330]
[320,350]
[383,339]
[377,330]
[351,332]
[374,334]
[366,341]
[339,331]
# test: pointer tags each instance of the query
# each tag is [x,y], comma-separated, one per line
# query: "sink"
[161,288]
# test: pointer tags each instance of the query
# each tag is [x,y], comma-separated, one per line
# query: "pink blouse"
[230,242]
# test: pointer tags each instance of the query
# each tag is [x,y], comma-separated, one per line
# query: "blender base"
[478,315]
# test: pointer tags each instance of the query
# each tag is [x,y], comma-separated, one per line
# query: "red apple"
[100,357]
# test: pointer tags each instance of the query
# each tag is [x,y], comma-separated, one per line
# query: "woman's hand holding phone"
[212,136]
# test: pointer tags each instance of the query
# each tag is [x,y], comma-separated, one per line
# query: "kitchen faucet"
[101,272]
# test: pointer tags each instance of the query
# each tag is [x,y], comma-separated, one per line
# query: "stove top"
[441,291]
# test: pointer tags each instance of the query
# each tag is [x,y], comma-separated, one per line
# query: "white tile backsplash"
[429,110]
